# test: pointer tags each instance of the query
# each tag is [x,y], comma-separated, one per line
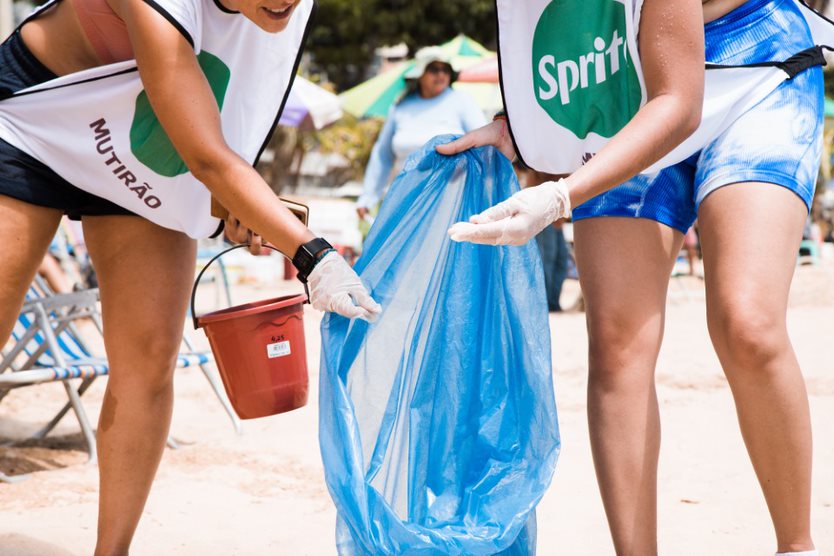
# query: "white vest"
[569,88]
[97,130]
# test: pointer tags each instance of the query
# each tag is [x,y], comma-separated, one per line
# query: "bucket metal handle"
[200,275]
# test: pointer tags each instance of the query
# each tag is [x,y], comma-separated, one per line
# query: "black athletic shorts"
[23,177]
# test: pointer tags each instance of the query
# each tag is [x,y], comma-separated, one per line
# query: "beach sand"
[263,492]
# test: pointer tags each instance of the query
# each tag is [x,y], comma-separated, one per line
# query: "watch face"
[305,258]
[302,258]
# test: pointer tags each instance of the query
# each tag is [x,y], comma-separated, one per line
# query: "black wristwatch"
[308,255]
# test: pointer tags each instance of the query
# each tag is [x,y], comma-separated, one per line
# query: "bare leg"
[145,274]
[751,235]
[624,267]
[26,231]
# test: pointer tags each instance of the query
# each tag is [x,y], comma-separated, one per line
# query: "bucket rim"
[195,320]
[253,308]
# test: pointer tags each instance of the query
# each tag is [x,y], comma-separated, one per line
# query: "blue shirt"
[410,124]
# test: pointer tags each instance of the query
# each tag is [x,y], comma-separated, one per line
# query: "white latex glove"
[519,218]
[334,287]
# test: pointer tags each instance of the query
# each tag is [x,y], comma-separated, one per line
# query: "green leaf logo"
[583,75]
[148,141]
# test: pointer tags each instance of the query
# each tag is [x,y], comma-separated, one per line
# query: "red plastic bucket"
[259,350]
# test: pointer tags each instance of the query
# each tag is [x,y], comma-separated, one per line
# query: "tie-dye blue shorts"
[787,153]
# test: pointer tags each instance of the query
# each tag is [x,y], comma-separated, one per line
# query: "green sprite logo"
[583,75]
[148,141]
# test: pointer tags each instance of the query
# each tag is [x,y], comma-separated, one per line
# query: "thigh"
[624,268]
[25,233]
[750,235]
[145,274]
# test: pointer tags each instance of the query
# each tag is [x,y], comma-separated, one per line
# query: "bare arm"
[671,43]
[183,102]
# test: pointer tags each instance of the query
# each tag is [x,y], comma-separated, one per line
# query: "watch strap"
[306,256]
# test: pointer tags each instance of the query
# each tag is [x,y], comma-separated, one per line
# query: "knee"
[146,362]
[747,334]
[622,350]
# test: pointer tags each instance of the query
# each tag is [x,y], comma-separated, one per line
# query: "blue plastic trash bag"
[438,423]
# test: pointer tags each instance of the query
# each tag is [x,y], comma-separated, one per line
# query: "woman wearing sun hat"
[429,107]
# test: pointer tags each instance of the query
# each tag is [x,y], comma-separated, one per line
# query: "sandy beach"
[263,492]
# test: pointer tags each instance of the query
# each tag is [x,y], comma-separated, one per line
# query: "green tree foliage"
[346,32]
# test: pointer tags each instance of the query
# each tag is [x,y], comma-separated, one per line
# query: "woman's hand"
[238,233]
[519,218]
[496,134]
[335,287]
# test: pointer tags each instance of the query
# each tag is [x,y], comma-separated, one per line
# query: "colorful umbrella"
[310,106]
[375,96]
[464,47]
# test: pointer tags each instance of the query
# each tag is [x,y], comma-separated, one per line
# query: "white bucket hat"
[426,56]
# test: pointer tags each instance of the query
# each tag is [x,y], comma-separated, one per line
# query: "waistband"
[757,31]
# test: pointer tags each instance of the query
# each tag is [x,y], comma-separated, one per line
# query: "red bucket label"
[278,349]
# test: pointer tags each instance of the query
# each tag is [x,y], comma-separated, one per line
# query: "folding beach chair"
[46,347]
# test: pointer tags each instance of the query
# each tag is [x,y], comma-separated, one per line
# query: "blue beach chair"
[47,347]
